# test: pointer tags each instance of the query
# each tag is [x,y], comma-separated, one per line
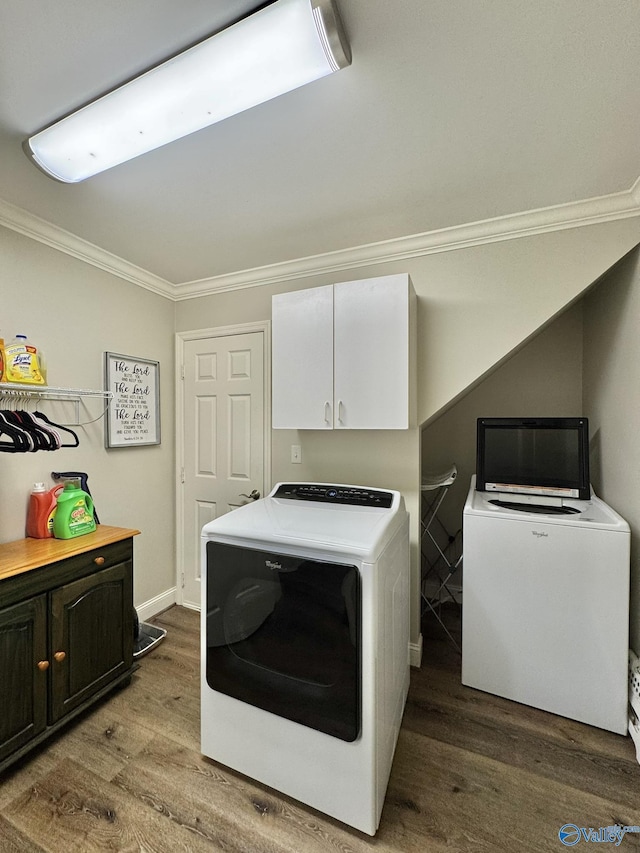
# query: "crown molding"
[607,208]
[20,220]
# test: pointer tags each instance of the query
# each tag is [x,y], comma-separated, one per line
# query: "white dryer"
[545,606]
[305,643]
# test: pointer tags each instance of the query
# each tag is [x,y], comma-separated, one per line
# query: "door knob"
[43,665]
[255,494]
[60,656]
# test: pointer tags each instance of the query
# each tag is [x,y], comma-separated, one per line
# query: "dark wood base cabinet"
[66,631]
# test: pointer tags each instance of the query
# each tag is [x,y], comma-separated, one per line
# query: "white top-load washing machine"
[305,643]
[545,611]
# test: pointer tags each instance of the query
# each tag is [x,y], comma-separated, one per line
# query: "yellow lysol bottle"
[22,363]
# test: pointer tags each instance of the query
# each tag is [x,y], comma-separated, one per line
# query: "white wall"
[612,402]
[75,313]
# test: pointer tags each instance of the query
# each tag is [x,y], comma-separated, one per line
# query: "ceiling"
[453,111]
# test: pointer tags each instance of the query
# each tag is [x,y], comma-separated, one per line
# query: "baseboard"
[415,653]
[157,604]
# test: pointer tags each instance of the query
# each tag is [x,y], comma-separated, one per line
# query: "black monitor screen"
[535,455]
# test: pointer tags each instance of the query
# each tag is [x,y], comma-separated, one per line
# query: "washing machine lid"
[356,520]
[592,513]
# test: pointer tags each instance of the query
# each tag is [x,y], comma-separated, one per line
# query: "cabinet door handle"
[327,412]
[59,656]
[340,408]
[99,561]
[43,665]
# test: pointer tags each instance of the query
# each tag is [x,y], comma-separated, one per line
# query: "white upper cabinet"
[302,359]
[342,355]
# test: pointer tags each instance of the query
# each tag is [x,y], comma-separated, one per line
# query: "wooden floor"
[472,772]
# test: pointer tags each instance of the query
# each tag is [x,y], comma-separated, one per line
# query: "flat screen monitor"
[534,456]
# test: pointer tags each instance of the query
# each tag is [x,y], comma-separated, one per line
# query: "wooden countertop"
[26,554]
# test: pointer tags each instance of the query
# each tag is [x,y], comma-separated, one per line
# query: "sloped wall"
[612,403]
[479,305]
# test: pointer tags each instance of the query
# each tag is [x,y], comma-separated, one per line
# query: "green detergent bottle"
[74,512]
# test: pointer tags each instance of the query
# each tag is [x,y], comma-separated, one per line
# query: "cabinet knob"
[43,665]
[99,561]
[59,656]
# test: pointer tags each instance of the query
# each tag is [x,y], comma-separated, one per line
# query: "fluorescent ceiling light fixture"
[276,49]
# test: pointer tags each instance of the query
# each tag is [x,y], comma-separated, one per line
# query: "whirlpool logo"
[271,564]
[539,535]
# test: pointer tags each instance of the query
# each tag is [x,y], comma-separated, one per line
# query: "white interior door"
[223,438]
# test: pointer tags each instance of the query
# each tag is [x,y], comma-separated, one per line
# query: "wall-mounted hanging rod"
[15,391]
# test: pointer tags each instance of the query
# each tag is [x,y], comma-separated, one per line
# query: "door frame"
[181,338]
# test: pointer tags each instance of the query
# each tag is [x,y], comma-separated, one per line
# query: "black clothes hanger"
[22,420]
[21,441]
[45,435]
[56,426]
[14,418]
[26,432]
[52,436]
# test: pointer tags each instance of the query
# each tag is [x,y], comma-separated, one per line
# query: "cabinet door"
[91,635]
[302,359]
[23,690]
[371,341]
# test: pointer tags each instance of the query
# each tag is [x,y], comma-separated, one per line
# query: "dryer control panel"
[351,495]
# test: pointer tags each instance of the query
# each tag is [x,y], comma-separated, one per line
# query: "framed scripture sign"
[133,416]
